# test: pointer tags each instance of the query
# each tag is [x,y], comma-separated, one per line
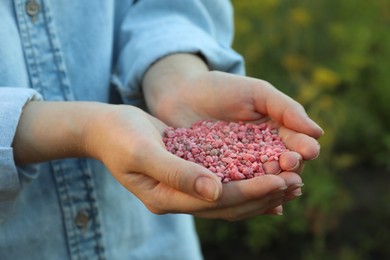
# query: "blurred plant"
[333,57]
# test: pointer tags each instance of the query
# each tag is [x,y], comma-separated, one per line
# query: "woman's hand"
[129,142]
[180,90]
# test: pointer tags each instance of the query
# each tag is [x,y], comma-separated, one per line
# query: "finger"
[240,199]
[291,161]
[248,210]
[239,192]
[294,183]
[237,195]
[291,179]
[278,210]
[294,189]
[271,167]
[292,195]
[306,146]
[282,108]
[179,174]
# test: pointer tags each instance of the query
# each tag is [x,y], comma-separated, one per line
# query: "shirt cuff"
[173,37]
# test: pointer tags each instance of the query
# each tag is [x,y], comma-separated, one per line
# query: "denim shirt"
[93,51]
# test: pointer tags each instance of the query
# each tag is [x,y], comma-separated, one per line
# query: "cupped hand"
[180,90]
[129,142]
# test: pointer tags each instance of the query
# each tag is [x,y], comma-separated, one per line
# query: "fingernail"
[295,186]
[279,212]
[283,188]
[318,154]
[298,194]
[314,122]
[299,185]
[294,168]
[320,128]
[317,125]
[207,188]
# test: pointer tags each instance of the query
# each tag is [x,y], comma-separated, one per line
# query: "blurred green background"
[334,58]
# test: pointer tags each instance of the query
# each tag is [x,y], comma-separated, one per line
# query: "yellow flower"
[325,77]
[300,16]
[307,93]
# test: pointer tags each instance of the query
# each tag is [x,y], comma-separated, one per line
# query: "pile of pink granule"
[233,151]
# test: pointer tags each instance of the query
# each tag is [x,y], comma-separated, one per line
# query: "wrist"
[53,130]
[167,84]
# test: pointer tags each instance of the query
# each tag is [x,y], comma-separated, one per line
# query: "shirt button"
[32,8]
[82,220]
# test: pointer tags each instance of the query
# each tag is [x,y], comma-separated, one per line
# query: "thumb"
[180,174]
[284,109]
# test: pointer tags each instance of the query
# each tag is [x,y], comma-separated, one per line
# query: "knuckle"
[157,211]
[174,179]
[266,83]
[157,206]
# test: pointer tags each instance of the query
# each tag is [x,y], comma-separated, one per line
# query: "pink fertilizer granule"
[233,151]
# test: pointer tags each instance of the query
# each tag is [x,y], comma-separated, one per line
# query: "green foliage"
[333,57]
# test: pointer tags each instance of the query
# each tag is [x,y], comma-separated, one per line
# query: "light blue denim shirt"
[93,50]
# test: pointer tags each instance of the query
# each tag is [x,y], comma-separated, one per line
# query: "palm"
[223,96]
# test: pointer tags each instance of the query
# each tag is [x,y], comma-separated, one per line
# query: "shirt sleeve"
[12,101]
[153,29]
